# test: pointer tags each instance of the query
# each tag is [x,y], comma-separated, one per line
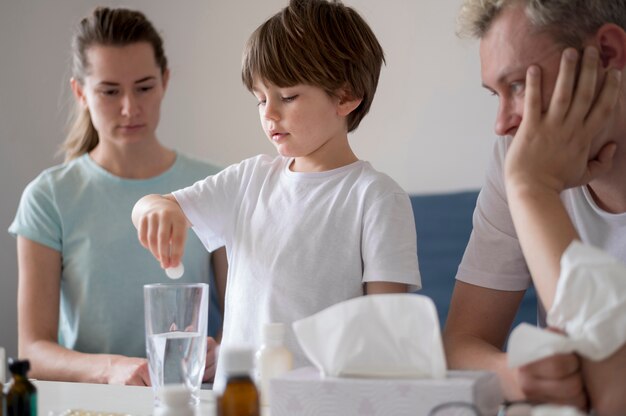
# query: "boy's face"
[302,121]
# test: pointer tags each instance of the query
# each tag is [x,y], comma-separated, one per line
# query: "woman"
[81,269]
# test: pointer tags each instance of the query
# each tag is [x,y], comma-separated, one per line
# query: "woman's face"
[123,90]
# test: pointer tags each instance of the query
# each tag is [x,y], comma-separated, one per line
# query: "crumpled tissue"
[589,306]
[389,336]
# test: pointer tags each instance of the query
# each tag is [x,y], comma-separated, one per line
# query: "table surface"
[55,397]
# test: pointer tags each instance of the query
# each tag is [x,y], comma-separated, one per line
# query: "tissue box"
[304,392]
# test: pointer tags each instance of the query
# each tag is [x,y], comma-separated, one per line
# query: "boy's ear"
[77,90]
[347,103]
[611,43]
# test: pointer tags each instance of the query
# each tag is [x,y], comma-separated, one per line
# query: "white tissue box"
[304,392]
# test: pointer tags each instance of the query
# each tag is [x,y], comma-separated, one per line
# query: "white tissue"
[391,336]
[589,306]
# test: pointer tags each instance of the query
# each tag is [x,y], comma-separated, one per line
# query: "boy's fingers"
[565,81]
[606,101]
[532,100]
[165,234]
[586,87]
[152,237]
[179,235]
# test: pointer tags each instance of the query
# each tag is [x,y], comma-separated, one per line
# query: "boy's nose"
[270,111]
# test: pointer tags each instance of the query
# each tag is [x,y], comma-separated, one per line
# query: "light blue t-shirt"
[84,212]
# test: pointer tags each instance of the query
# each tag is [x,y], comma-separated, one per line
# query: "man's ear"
[77,90]
[347,103]
[611,42]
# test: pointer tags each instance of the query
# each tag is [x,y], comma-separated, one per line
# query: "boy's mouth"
[276,136]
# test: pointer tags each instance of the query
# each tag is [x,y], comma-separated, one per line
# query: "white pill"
[175,272]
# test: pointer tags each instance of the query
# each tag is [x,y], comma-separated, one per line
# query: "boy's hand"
[161,227]
[552,149]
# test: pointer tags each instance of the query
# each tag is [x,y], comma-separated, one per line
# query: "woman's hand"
[212,348]
[128,370]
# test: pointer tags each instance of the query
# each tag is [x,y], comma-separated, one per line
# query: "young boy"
[313,226]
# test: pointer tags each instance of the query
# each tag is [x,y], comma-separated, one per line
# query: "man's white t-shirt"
[493,257]
[300,242]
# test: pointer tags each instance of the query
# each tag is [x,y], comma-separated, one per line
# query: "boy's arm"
[373,288]
[161,227]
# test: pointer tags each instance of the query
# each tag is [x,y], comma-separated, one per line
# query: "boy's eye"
[260,103]
[289,99]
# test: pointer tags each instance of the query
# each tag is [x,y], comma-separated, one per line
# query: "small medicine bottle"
[272,359]
[21,394]
[175,400]
[240,396]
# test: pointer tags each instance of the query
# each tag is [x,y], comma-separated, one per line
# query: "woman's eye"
[146,88]
[109,93]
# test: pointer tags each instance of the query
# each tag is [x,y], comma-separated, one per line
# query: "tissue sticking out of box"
[390,336]
[589,306]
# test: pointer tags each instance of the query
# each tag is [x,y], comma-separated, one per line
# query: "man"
[493,275]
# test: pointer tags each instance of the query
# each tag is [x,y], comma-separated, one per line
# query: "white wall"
[429,127]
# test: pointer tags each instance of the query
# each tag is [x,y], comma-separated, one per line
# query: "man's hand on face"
[552,148]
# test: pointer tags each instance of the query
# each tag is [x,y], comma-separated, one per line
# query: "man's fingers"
[558,366]
[564,89]
[602,163]
[606,101]
[586,86]
[532,100]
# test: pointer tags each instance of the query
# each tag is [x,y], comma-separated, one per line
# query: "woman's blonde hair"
[106,27]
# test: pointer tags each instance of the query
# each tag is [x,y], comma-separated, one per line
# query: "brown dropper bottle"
[21,394]
[240,396]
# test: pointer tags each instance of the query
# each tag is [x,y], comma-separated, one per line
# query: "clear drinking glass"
[176,334]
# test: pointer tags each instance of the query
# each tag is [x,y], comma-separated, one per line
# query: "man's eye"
[517,87]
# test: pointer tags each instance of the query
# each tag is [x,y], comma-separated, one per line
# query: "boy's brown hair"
[317,42]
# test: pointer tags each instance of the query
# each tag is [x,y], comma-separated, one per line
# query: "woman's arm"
[38,321]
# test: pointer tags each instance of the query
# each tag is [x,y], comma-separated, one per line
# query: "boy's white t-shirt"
[300,242]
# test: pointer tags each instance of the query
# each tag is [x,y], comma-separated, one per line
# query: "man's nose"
[508,119]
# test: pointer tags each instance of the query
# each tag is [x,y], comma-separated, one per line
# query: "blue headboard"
[443,223]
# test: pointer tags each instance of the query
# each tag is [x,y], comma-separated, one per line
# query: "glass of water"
[176,334]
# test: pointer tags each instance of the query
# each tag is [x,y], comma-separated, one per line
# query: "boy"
[313,226]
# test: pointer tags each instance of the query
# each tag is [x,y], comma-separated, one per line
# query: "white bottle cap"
[237,360]
[274,334]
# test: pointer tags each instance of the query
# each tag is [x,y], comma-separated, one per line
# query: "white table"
[55,396]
